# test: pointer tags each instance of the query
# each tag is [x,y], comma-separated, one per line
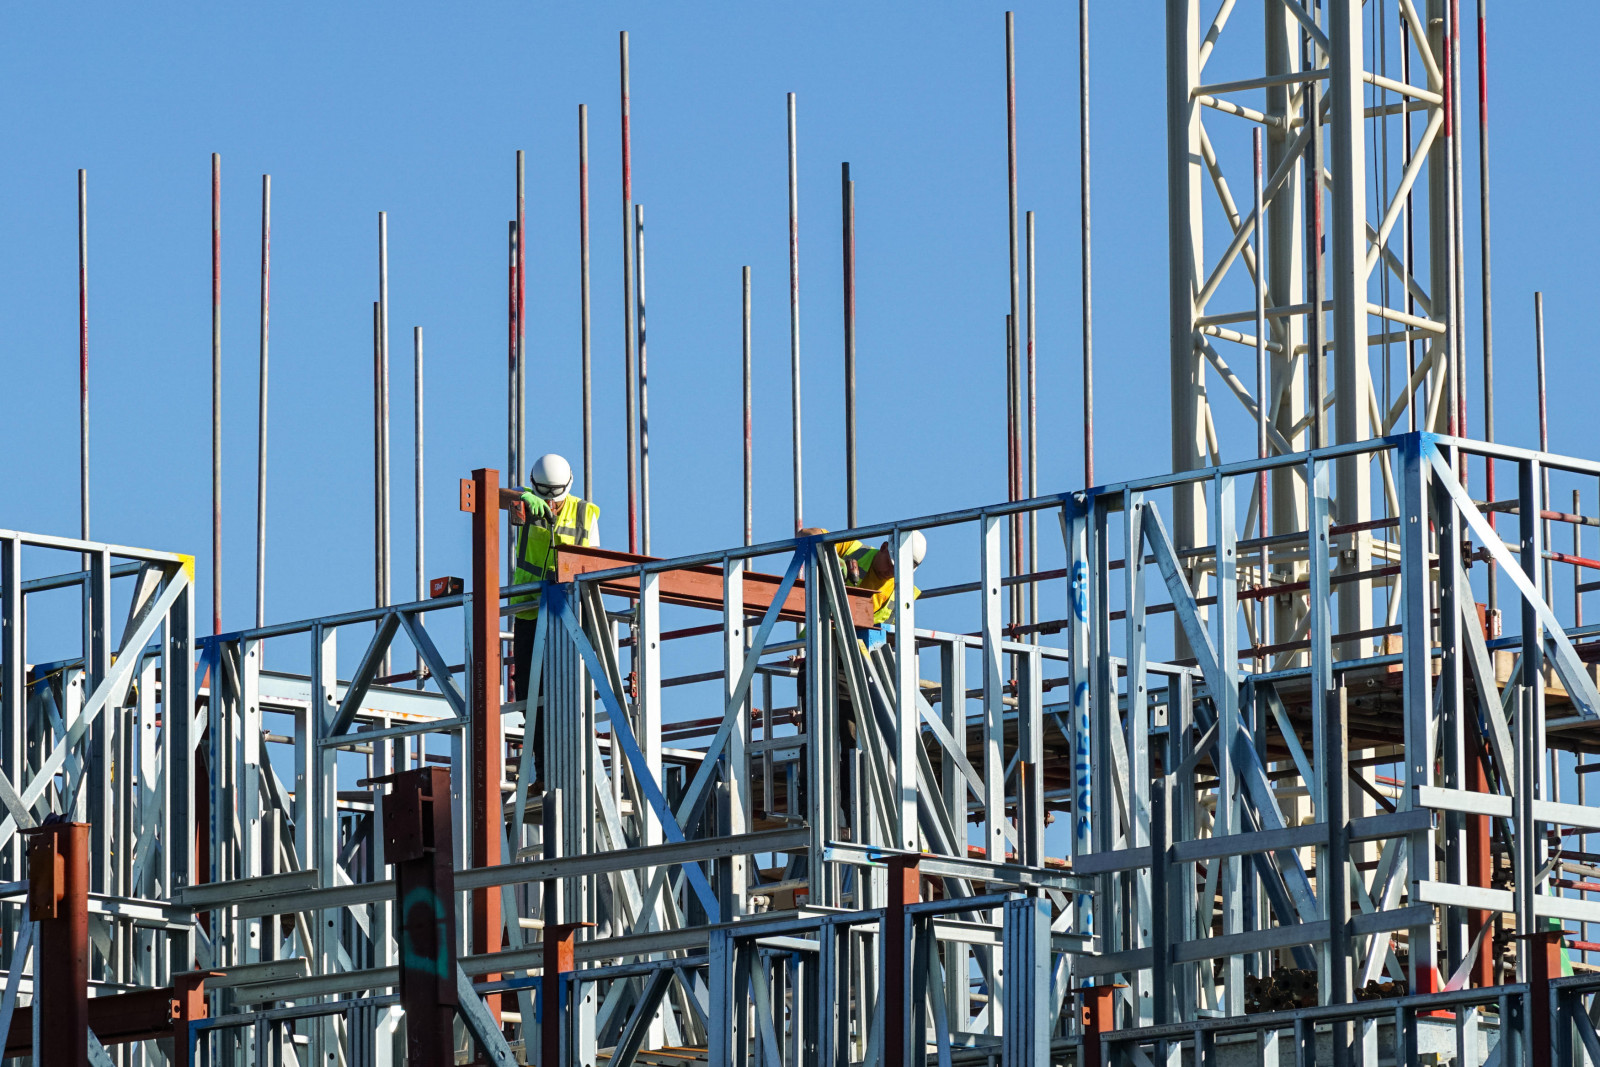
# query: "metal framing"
[869,870]
[1314,803]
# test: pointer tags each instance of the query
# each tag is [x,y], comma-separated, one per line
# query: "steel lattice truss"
[1356,259]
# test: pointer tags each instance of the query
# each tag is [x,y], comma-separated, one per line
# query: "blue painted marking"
[1080,590]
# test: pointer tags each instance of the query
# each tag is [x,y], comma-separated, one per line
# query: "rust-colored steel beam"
[481,497]
[141,1015]
[701,587]
[559,939]
[58,899]
[417,840]
[905,887]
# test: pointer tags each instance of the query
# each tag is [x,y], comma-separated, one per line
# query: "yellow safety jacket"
[882,590]
[572,523]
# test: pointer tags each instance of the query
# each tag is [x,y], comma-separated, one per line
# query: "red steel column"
[1480,860]
[1544,958]
[487,754]
[58,899]
[558,966]
[1099,1017]
[905,887]
[418,842]
[188,1006]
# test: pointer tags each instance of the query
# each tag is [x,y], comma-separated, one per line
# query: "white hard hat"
[919,547]
[551,477]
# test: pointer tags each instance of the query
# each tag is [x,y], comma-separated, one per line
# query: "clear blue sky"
[357,108]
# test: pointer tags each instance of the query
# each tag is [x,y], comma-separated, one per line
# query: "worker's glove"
[537,509]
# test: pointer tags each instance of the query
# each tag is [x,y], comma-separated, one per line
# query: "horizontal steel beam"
[256,899]
[698,586]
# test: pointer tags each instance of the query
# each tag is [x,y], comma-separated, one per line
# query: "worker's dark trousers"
[521,669]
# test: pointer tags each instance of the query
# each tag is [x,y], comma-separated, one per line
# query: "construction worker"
[873,568]
[555,517]
[864,568]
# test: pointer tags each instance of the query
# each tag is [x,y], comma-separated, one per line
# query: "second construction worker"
[873,568]
[555,517]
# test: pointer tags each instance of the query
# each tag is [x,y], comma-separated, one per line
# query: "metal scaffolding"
[1273,760]
[864,874]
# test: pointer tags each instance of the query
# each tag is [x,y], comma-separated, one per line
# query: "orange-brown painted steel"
[701,587]
[1099,1018]
[1480,860]
[559,964]
[418,841]
[140,1015]
[484,672]
[1544,959]
[905,887]
[58,899]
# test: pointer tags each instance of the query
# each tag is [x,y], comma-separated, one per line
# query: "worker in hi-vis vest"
[555,517]
[873,568]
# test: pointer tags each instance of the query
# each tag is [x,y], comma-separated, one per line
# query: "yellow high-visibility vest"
[882,590]
[572,523]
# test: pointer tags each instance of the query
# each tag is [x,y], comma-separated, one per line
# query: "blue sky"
[357,108]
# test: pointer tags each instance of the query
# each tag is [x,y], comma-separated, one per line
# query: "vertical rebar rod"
[1087,257]
[1458,202]
[627,307]
[418,512]
[1013,468]
[377,454]
[1483,222]
[1011,415]
[216,393]
[1544,420]
[1033,430]
[522,320]
[644,384]
[83,356]
[384,541]
[749,508]
[847,198]
[261,402]
[794,317]
[1014,320]
[583,285]
[512,474]
[1493,584]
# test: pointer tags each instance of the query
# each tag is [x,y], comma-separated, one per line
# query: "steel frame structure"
[1291,746]
[865,876]
[1337,219]
[98,738]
